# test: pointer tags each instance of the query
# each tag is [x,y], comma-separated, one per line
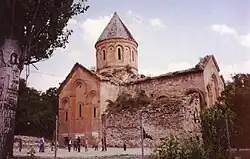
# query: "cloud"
[92,28]
[245,40]
[223,30]
[72,22]
[228,70]
[156,22]
[135,17]
[171,67]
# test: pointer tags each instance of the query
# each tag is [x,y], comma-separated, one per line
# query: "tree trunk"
[9,84]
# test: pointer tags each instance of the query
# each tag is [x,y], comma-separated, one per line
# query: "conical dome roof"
[115,29]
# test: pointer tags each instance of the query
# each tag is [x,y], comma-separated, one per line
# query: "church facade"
[84,92]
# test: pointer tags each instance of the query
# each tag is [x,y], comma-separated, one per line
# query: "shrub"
[214,130]
[172,148]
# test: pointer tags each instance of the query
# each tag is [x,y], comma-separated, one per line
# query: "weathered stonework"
[158,121]
[117,72]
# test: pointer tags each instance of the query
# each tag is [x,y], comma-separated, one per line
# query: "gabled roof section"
[116,29]
[203,62]
[69,76]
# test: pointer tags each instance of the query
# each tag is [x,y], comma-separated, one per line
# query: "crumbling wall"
[169,85]
[159,120]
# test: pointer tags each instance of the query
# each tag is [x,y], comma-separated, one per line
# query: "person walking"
[96,145]
[52,145]
[42,142]
[69,144]
[86,145]
[74,145]
[124,146]
[78,144]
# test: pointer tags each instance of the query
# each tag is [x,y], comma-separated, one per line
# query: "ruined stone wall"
[212,82]
[167,86]
[160,122]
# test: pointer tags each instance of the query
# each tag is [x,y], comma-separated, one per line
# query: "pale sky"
[172,35]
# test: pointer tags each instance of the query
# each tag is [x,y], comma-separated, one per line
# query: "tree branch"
[34,61]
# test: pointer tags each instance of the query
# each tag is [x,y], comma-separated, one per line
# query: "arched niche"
[91,95]
[119,52]
[65,103]
[79,110]
[80,85]
[133,54]
[95,111]
[201,94]
[127,52]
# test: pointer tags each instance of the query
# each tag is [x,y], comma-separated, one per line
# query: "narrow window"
[104,55]
[80,110]
[94,112]
[119,54]
[66,116]
[133,57]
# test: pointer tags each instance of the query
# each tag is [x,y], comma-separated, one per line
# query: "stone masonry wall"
[179,120]
[167,86]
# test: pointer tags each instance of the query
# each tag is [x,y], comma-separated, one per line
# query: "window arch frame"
[119,52]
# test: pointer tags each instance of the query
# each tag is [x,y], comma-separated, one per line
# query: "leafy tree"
[36,111]
[30,31]
[214,130]
[236,96]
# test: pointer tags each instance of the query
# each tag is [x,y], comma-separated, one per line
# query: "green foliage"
[38,25]
[128,102]
[236,96]
[214,130]
[36,111]
[172,148]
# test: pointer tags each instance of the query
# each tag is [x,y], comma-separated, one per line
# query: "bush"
[214,130]
[172,148]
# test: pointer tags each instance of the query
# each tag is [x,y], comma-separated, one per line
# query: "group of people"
[76,144]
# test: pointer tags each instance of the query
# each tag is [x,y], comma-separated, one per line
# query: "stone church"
[84,92]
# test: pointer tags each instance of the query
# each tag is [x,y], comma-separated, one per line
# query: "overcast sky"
[172,35]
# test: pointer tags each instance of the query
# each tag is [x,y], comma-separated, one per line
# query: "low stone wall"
[160,122]
[29,142]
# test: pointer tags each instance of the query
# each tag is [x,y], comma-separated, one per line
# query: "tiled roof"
[115,29]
